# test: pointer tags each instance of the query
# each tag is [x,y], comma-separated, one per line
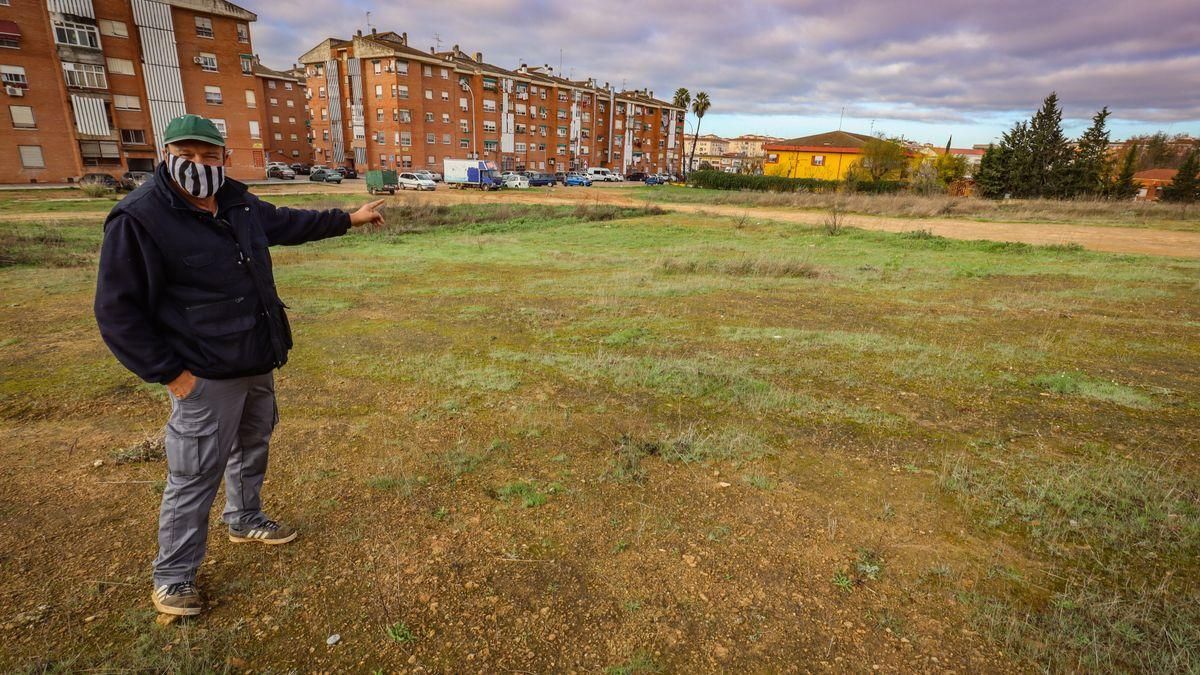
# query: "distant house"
[828,156]
[1151,183]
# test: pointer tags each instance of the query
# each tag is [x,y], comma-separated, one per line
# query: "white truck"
[600,175]
[476,173]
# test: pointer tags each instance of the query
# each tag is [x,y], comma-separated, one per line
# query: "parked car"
[637,176]
[600,174]
[517,181]
[560,177]
[422,173]
[537,179]
[282,172]
[301,169]
[131,180]
[100,179]
[411,181]
[578,179]
[653,179]
[347,171]
[437,177]
[325,176]
[618,178]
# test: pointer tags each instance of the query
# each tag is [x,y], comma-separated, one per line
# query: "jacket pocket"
[286,325]
[224,317]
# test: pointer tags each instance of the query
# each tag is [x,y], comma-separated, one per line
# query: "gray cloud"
[932,60]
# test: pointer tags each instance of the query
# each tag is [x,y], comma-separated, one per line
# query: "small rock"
[235,662]
[723,484]
[720,651]
[98,463]
[89,619]
[166,619]
[690,560]
[333,639]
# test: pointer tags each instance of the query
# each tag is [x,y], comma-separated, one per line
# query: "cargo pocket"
[191,440]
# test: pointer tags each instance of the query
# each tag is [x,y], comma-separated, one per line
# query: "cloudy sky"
[924,69]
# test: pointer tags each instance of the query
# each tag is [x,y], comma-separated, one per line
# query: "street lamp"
[471,109]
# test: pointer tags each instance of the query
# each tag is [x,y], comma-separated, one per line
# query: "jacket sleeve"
[287,227]
[128,284]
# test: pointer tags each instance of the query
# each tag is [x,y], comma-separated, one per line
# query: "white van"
[597,174]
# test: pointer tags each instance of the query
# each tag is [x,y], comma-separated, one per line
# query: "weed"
[869,565]
[404,484]
[640,663]
[1075,383]
[843,581]
[400,633]
[743,267]
[759,481]
[528,494]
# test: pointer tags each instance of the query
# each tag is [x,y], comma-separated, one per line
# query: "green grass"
[636,360]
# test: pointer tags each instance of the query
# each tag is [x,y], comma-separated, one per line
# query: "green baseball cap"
[193,128]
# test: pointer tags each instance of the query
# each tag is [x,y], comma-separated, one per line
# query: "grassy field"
[907,205]
[549,438]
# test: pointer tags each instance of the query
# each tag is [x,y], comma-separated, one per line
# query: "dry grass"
[740,267]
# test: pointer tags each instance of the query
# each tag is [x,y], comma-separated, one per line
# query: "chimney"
[359,32]
[479,56]
[432,50]
[404,38]
[455,49]
[372,30]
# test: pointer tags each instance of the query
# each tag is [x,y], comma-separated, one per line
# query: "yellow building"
[827,156]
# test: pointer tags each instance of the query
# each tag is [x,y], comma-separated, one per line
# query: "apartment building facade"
[285,115]
[375,101]
[90,85]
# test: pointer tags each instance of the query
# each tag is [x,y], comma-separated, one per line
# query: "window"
[428,117]
[324,113]
[431,138]
[120,66]
[377,66]
[401,67]
[31,156]
[220,124]
[445,74]
[321,92]
[462,124]
[379,91]
[248,67]
[489,125]
[113,28]
[405,116]
[22,116]
[489,105]
[489,83]
[278,136]
[818,160]
[562,149]
[76,34]
[85,75]
[294,137]
[446,139]
[403,91]
[295,153]
[273,101]
[287,86]
[274,119]
[490,145]
[208,62]
[405,138]
[121,102]
[429,94]
[243,32]
[464,143]
[428,70]
[133,136]
[379,114]
[291,120]
[10,40]
[520,147]
[254,131]
[212,95]
[462,104]
[96,153]
[325,135]
[204,27]
[406,162]
[520,108]
[430,160]
[445,96]
[250,102]
[562,131]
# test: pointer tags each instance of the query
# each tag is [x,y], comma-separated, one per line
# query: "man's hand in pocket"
[183,385]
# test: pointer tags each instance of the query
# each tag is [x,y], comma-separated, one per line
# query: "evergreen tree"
[991,180]
[1047,174]
[1089,167]
[1124,188]
[1185,188]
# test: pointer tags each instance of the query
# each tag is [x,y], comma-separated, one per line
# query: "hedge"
[719,180]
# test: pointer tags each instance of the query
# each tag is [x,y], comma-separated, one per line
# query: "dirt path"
[1108,239]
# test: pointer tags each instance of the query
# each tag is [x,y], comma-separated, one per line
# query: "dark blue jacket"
[180,288]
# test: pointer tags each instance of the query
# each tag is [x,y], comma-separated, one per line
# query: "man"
[186,298]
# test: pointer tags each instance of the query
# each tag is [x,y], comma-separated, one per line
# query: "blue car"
[578,180]
[652,179]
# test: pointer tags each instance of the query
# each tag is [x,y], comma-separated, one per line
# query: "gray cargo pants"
[221,427]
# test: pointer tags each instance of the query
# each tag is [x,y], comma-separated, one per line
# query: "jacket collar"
[231,194]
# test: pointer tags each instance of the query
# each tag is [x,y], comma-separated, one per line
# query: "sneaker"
[266,532]
[181,599]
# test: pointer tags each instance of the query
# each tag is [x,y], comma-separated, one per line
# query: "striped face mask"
[198,180]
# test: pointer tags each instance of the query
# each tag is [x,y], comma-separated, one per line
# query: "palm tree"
[683,99]
[700,105]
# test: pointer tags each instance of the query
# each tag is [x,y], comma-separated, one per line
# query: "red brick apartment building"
[90,85]
[374,101]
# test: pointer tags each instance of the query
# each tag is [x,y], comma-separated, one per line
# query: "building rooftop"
[1156,174]
[831,139]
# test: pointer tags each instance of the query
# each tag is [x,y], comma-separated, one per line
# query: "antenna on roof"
[843,114]
[369,21]
[437,38]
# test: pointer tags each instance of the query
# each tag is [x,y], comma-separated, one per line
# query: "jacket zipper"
[219,302]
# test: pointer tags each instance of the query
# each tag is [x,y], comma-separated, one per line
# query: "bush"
[96,190]
[719,180]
